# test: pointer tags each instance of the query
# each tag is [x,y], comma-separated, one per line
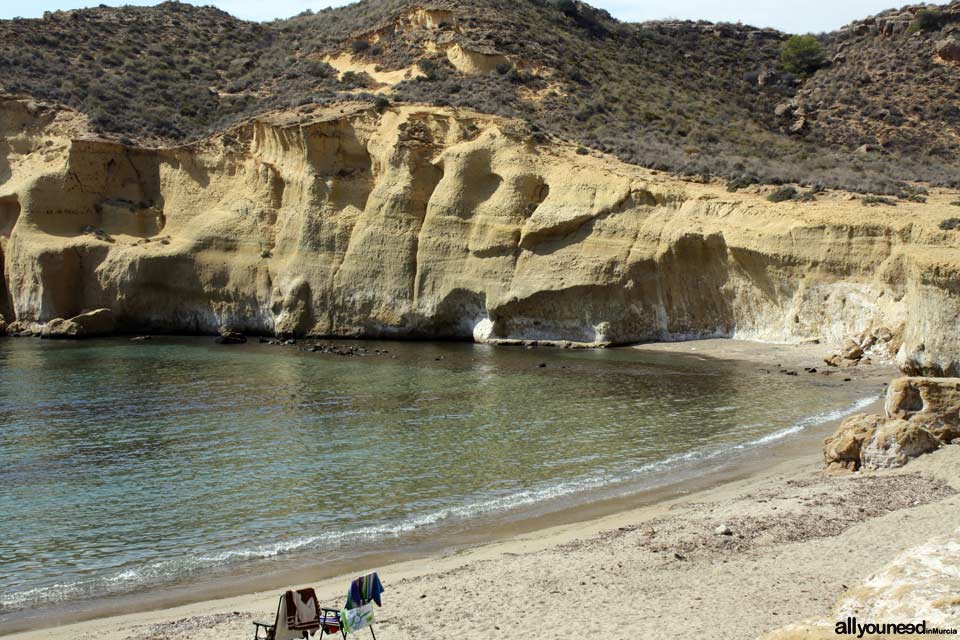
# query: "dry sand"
[799,538]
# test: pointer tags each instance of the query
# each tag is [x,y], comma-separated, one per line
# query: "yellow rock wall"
[432,222]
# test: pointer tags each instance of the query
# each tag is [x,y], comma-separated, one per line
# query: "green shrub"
[359,46]
[802,54]
[927,20]
[381,104]
[956,203]
[950,224]
[782,194]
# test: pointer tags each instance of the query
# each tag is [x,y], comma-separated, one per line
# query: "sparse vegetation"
[782,194]
[686,97]
[950,224]
[874,201]
[741,182]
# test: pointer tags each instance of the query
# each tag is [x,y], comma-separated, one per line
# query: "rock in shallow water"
[86,325]
[60,329]
[99,322]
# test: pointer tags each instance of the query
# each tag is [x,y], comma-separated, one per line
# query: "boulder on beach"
[921,414]
[843,448]
[895,442]
[880,341]
[934,402]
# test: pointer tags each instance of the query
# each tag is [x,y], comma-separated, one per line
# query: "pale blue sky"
[795,17]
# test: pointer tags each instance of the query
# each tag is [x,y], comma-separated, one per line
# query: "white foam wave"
[811,421]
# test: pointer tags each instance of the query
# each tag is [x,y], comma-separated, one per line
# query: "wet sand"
[658,570]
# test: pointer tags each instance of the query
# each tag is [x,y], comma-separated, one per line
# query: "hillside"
[693,98]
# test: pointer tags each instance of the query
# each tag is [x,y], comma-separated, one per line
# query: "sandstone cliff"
[435,222]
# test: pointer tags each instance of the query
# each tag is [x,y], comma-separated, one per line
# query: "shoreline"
[524,536]
[478,567]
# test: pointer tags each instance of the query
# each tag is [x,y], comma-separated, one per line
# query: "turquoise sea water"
[129,466]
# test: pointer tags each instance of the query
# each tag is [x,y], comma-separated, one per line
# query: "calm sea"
[129,466]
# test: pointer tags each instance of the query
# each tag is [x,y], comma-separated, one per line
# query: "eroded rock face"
[843,449]
[922,414]
[933,402]
[895,442]
[433,222]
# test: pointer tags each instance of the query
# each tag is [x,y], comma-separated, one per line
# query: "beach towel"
[352,620]
[303,612]
[363,590]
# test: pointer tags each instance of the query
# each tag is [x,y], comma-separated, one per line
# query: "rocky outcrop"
[921,414]
[920,584]
[60,329]
[932,402]
[949,50]
[99,322]
[231,337]
[86,325]
[895,442]
[436,222]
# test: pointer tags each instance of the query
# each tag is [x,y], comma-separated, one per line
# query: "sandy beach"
[800,538]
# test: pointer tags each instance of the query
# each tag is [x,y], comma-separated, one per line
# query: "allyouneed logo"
[850,627]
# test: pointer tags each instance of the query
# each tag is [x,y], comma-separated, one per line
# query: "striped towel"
[363,590]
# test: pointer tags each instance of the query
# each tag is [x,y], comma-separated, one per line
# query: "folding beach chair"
[357,613]
[298,616]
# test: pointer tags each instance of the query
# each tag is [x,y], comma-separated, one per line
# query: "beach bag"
[352,620]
